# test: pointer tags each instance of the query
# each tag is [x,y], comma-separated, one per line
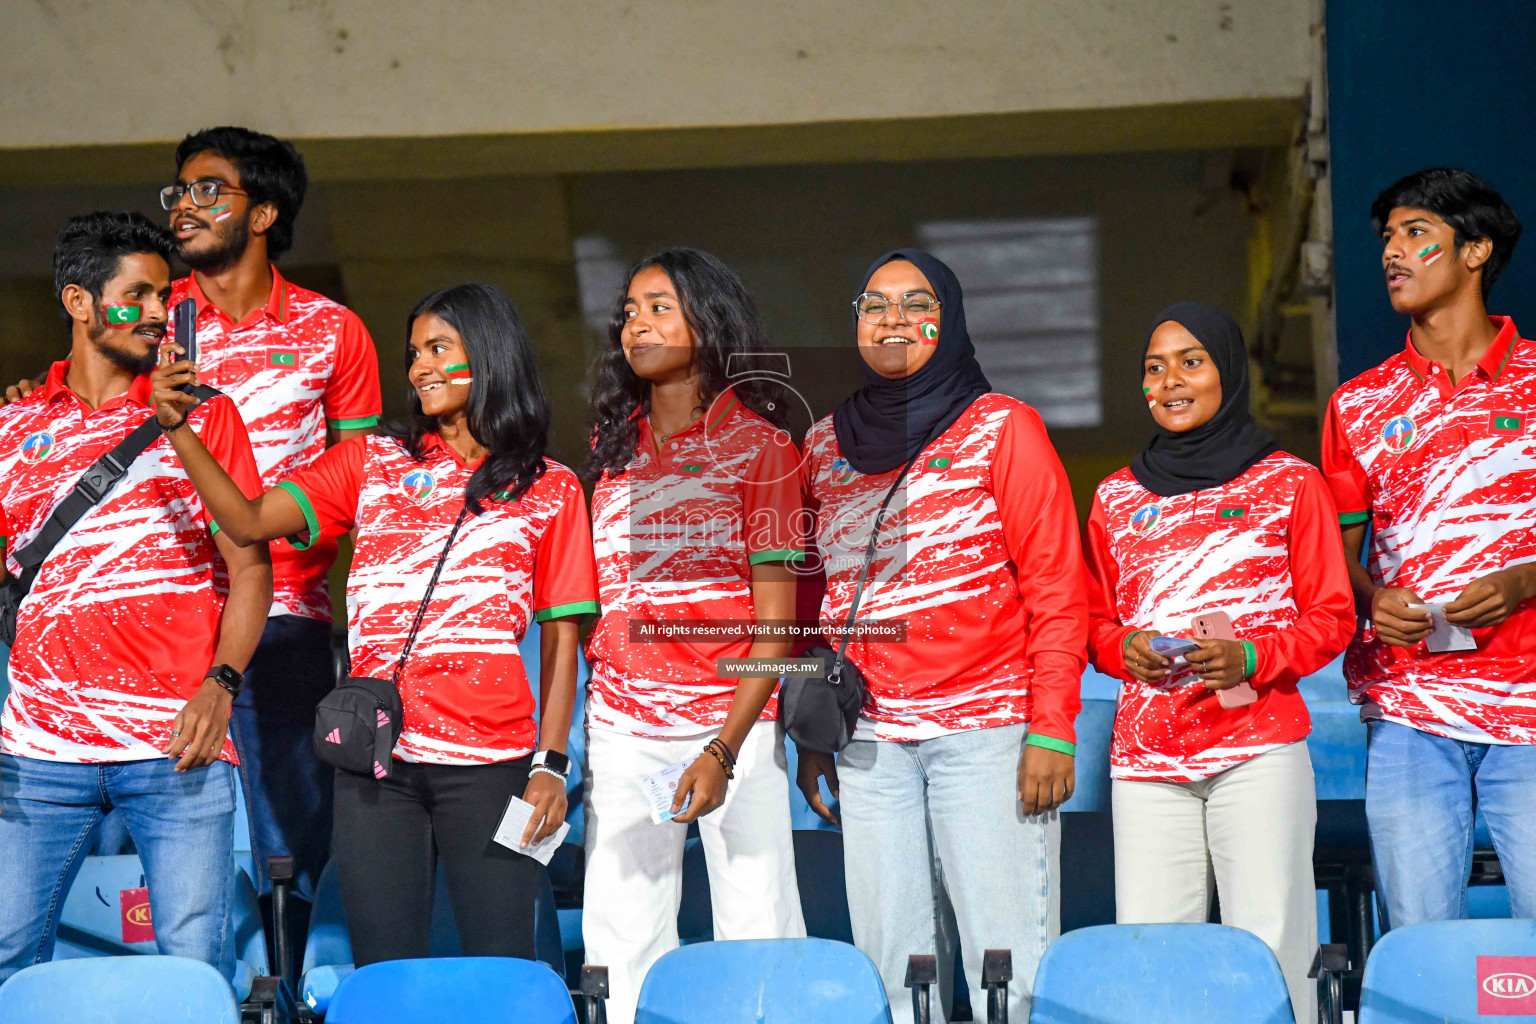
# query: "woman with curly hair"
[696,524]
[464,487]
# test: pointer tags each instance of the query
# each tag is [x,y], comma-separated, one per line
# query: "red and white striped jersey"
[120,626]
[1262,548]
[676,536]
[1446,477]
[466,694]
[979,558]
[293,366]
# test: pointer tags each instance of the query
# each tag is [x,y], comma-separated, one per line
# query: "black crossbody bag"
[821,712]
[358,723]
[94,484]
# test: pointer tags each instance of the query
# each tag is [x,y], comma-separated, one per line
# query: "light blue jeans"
[1421,792]
[183,825]
[935,841]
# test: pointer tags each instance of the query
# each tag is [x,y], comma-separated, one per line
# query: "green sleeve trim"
[561,611]
[1051,743]
[213,528]
[785,555]
[1132,635]
[1250,659]
[1351,518]
[357,424]
[310,519]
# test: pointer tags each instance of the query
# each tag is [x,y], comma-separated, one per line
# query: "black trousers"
[388,836]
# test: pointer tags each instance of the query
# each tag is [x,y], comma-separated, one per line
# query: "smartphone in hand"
[1218,626]
[186,332]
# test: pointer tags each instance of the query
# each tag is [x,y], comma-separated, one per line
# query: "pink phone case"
[1218,626]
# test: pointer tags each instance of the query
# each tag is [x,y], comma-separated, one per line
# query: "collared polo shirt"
[293,366]
[120,626]
[1446,477]
[980,559]
[676,535]
[464,688]
[1264,549]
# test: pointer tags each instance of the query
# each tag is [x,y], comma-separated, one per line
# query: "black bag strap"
[426,599]
[88,491]
[836,673]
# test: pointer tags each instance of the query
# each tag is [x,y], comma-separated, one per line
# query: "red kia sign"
[137,924]
[1506,985]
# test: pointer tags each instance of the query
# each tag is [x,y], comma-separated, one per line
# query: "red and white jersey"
[1265,550]
[293,366]
[120,626]
[465,691]
[1446,476]
[979,557]
[676,535]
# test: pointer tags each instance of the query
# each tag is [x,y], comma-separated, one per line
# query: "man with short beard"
[131,642]
[303,371]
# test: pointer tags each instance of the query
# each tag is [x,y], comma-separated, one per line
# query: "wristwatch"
[554,761]
[228,678]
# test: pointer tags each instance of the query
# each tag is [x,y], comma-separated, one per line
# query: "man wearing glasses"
[303,373]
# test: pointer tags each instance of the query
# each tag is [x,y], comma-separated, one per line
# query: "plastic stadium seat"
[465,990]
[767,981]
[1451,971]
[1168,973]
[328,949]
[95,922]
[119,990]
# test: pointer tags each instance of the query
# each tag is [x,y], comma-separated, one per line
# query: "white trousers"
[634,880]
[1250,830]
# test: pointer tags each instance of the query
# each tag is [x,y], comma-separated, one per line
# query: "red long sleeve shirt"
[1263,548]
[980,559]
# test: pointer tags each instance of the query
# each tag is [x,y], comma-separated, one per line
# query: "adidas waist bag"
[357,724]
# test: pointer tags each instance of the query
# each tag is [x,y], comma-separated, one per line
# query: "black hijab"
[1223,447]
[887,422]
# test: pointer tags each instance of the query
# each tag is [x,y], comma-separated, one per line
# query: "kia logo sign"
[1509,985]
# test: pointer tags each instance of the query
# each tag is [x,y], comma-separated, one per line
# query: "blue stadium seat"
[1168,973]
[92,923]
[1431,972]
[118,990]
[768,981]
[328,948]
[465,990]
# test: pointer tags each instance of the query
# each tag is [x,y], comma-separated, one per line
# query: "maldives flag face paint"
[928,330]
[458,373]
[221,212]
[1147,394]
[1430,253]
[123,317]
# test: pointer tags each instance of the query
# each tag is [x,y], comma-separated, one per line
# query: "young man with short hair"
[1435,451]
[303,371]
[131,642]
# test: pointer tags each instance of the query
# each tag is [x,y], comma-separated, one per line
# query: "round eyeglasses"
[205,193]
[913,307]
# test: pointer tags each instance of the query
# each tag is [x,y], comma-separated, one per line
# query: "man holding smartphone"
[1434,451]
[132,639]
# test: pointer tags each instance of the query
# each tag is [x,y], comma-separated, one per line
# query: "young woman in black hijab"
[965,744]
[1215,540]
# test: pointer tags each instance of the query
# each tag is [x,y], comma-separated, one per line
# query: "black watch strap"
[228,678]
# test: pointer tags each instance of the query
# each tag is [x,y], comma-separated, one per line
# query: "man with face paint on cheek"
[1434,452]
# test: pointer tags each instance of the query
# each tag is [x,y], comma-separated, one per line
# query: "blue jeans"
[1421,793]
[183,825]
[935,841]
[287,786]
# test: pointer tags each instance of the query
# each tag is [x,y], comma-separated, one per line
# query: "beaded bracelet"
[546,770]
[714,748]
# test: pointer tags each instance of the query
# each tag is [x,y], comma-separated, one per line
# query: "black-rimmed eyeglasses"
[205,192]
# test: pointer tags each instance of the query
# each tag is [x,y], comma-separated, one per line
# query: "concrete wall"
[519,86]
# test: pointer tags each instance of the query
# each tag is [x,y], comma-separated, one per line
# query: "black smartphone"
[186,331]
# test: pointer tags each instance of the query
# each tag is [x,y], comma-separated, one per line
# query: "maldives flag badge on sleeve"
[1507,423]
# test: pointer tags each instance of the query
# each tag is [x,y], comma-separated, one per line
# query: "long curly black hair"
[724,321]
[508,410]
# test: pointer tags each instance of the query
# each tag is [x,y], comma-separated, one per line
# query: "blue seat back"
[1169,973]
[768,981]
[119,990]
[465,990]
[1432,972]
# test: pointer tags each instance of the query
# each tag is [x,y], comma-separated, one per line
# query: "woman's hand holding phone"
[1221,663]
